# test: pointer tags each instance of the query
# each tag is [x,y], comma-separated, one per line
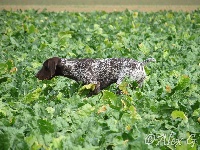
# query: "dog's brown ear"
[51,64]
[48,71]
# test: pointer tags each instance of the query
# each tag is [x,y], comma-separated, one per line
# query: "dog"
[100,72]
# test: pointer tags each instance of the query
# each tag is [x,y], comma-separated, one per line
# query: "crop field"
[57,114]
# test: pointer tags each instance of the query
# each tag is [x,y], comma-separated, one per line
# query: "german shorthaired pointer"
[101,72]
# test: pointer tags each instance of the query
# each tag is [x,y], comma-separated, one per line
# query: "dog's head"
[49,69]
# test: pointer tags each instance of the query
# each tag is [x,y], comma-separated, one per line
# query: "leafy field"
[56,114]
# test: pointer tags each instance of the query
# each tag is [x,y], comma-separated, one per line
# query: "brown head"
[49,69]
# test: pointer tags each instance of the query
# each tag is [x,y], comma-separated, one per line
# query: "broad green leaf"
[123,87]
[33,96]
[65,33]
[3,68]
[183,82]
[13,41]
[89,50]
[98,29]
[135,14]
[196,112]
[45,126]
[32,29]
[109,96]
[179,114]
[50,110]
[143,47]
[112,124]
[4,140]
[57,142]
[88,87]
[134,114]
[165,54]
[30,140]
[85,110]
[190,144]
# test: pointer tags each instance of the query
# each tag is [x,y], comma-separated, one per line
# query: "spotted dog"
[101,72]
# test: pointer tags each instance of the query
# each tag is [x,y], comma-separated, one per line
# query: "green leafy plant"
[57,114]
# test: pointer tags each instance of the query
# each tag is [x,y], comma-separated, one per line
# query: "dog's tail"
[148,60]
